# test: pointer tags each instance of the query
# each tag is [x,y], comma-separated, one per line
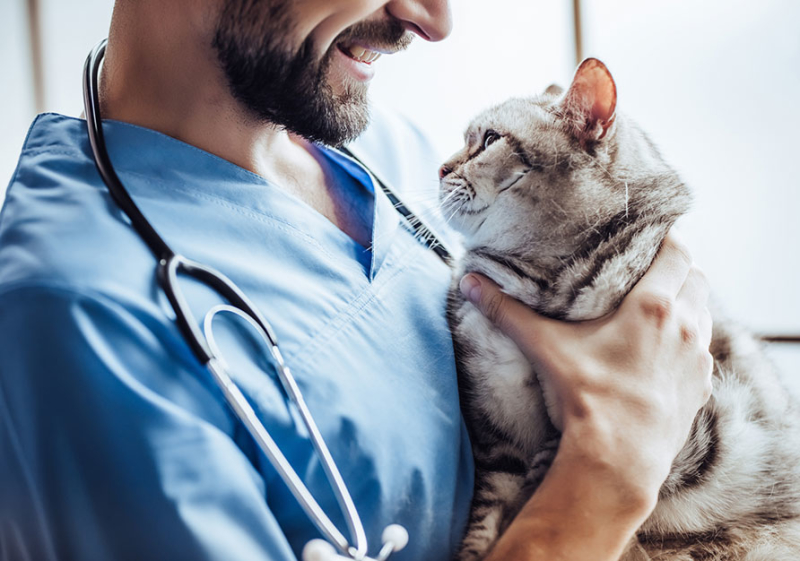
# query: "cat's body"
[564,203]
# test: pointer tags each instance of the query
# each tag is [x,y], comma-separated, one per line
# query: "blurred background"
[715,83]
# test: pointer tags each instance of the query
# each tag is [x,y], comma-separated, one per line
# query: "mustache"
[385,35]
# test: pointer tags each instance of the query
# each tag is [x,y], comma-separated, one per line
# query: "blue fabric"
[115,444]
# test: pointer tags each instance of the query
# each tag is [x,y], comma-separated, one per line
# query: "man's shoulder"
[55,224]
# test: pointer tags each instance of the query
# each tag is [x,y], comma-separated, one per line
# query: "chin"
[465,225]
[344,86]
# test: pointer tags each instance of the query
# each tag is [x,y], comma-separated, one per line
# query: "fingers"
[692,300]
[705,328]
[706,325]
[695,290]
[524,326]
[696,326]
[668,272]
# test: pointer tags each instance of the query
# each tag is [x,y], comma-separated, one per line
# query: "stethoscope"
[204,347]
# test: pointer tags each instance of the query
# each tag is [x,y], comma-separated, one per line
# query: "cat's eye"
[489,137]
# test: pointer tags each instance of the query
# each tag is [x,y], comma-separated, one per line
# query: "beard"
[289,87]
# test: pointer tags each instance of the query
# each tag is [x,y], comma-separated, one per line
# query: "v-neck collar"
[192,171]
[385,218]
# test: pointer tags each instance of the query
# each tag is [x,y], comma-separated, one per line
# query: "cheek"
[324,20]
[506,220]
[485,177]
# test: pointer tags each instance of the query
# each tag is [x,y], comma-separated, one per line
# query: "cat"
[565,202]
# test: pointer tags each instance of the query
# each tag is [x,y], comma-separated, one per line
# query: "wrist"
[619,482]
[585,509]
[630,461]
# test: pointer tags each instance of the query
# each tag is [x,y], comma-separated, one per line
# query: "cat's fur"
[565,202]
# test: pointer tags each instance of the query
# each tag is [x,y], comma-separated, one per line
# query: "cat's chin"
[467,226]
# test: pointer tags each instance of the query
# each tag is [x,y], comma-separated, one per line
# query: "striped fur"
[567,222]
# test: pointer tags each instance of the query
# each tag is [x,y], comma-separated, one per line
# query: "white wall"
[68,31]
[497,49]
[16,90]
[717,85]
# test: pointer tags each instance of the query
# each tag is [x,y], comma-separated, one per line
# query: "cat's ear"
[591,101]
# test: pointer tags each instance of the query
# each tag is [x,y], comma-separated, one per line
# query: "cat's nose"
[444,170]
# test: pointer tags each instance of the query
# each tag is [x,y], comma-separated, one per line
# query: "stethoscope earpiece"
[396,535]
[319,550]
[394,538]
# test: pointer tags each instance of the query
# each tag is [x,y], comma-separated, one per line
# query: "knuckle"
[689,335]
[494,308]
[657,307]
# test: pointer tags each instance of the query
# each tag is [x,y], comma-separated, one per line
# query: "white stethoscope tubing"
[245,412]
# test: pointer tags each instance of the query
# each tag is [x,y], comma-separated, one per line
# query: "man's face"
[305,64]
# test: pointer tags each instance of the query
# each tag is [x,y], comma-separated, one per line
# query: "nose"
[430,19]
[444,170]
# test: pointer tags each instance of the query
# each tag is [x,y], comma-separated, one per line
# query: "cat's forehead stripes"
[514,113]
[537,170]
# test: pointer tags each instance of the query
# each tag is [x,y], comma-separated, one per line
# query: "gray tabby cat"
[565,203]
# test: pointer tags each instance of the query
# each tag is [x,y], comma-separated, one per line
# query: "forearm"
[584,510]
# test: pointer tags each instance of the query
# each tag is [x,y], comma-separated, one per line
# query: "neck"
[161,72]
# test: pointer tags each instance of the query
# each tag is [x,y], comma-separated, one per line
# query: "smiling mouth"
[359,53]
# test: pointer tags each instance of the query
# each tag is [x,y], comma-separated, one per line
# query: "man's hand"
[624,389]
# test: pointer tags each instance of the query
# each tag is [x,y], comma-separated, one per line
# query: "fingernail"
[470,288]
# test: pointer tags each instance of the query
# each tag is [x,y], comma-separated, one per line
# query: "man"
[115,444]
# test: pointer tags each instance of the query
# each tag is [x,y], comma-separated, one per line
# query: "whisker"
[626,200]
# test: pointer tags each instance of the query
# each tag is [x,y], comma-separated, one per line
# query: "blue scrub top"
[115,444]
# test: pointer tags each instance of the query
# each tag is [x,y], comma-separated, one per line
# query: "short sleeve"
[113,446]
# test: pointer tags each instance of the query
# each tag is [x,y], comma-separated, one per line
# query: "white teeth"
[362,55]
[357,52]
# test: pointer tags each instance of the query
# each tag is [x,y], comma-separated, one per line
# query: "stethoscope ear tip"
[396,535]
[319,550]
[394,538]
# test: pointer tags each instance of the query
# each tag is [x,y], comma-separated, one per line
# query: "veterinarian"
[114,441]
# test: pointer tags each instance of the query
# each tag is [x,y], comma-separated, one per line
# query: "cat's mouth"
[457,200]
[471,211]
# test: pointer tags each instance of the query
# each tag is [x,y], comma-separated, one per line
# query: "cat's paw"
[542,461]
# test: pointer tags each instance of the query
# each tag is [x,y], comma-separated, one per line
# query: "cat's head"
[541,176]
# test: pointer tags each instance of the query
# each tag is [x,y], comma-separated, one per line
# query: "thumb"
[526,328]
